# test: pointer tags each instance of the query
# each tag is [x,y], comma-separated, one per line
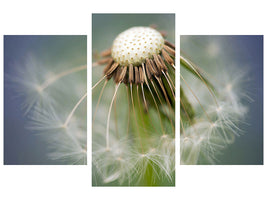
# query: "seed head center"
[136,44]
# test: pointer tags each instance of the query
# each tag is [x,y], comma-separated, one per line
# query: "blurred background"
[20,145]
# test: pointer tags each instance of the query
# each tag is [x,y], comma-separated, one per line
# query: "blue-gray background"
[248,148]
[20,145]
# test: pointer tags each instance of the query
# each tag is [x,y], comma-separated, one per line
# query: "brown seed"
[162,63]
[117,74]
[122,74]
[108,66]
[158,63]
[169,44]
[148,73]
[125,79]
[154,66]
[150,68]
[166,56]
[109,76]
[112,68]
[137,78]
[131,74]
[169,49]
[141,75]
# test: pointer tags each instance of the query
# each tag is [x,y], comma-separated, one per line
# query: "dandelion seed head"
[136,44]
[138,133]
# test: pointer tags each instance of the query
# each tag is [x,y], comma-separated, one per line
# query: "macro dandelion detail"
[134,130]
[50,89]
[214,99]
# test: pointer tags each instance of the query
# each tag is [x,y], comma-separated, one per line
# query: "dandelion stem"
[139,105]
[192,66]
[107,131]
[144,98]
[187,115]
[163,132]
[98,101]
[170,80]
[167,100]
[53,79]
[169,84]
[99,82]
[115,117]
[162,103]
[131,89]
[164,92]
[73,110]
[196,99]
[145,108]
[129,107]
[156,91]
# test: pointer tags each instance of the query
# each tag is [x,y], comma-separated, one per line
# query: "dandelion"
[53,100]
[138,150]
[211,103]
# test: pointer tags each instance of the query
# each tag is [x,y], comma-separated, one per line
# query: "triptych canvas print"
[144,101]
